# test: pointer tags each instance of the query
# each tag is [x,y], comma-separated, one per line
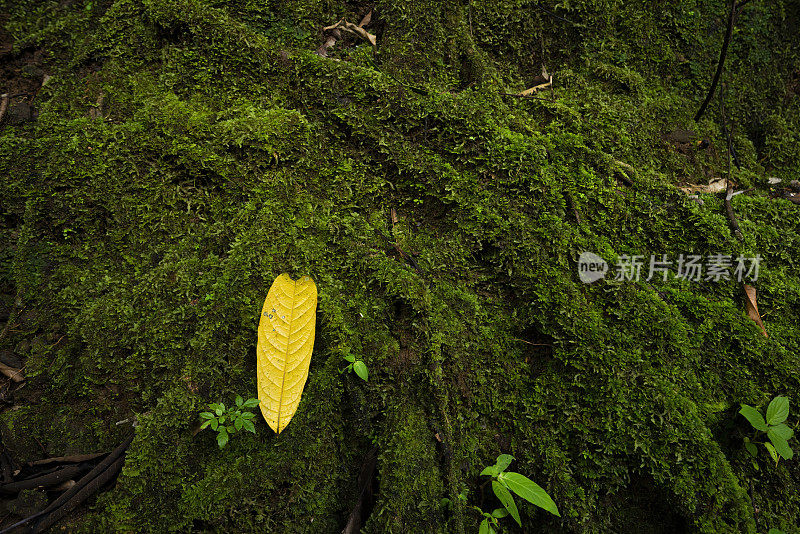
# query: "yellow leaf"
[285,343]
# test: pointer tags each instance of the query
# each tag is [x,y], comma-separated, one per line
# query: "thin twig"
[536,344]
[515,95]
[729,189]
[39,443]
[540,8]
[729,135]
[723,53]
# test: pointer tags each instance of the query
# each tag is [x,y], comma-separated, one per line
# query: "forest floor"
[163,161]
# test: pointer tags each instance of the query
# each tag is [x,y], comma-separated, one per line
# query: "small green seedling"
[503,484]
[773,425]
[227,421]
[356,365]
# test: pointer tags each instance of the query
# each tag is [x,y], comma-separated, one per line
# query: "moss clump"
[186,153]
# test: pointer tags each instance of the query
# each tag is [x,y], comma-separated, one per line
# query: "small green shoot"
[356,365]
[503,484]
[227,421]
[774,426]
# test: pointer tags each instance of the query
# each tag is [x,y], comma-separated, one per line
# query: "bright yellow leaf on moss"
[285,343]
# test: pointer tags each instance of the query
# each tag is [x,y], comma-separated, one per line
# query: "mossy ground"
[187,152]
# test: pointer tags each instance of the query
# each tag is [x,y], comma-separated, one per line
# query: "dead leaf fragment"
[752,307]
[715,185]
[366,20]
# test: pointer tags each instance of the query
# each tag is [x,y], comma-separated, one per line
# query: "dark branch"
[723,53]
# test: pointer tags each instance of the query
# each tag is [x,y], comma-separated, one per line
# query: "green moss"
[226,152]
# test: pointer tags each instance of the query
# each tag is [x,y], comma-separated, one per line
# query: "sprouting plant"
[503,484]
[773,425]
[227,421]
[356,365]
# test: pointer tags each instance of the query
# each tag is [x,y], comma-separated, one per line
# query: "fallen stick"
[3,106]
[76,494]
[45,481]
[536,88]
[14,374]
[75,458]
[92,487]
[517,95]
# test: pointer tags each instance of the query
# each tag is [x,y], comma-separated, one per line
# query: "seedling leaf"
[754,416]
[490,471]
[507,500]
[529,490]
[484,528]
[772,452]
[777,411]
[780,444]
[784,431]
[361,370]
[503,461]
[500,513]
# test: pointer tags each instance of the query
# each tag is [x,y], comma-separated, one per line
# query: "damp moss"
[186,153]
